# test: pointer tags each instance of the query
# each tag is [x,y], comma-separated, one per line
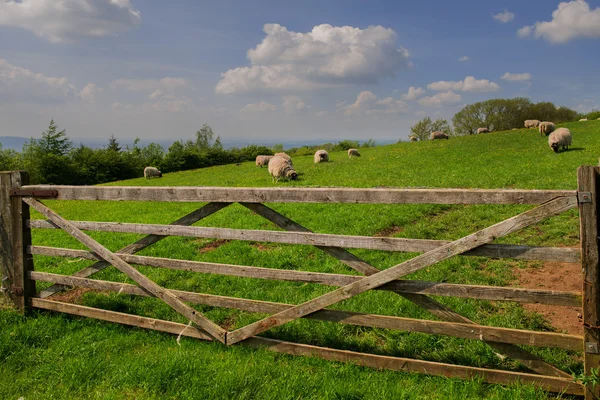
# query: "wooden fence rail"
[16,262]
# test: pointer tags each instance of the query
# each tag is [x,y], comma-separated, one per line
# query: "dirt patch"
[72,296]
[213,245]
[555,276]
[389,231]
[262,246]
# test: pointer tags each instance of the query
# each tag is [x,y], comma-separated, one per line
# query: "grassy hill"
[55,355]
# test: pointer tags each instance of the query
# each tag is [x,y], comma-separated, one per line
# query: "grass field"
[48,355]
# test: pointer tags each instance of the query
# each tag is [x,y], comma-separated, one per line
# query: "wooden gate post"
[588,186]
[15,237]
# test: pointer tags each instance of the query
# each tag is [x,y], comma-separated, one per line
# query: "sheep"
[598,119]
[151,172]
[546,128]
[321,156]
[353,152]
[482,130]
[531,123]
[284,155]
[281,167]
[262,160]
[583,119]
[560,138]
[438,135]
[413,139]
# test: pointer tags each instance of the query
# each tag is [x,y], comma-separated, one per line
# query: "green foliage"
[54,142]
[588,380]
[9,159]
[594,115]
[113,144]
[423,128]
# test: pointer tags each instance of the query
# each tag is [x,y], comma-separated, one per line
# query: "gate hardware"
[47,193]
[16,290]
[584,197]
[591,347]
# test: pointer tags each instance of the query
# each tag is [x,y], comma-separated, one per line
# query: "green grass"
[49,355]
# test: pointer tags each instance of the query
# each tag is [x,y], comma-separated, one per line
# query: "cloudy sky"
[264,71]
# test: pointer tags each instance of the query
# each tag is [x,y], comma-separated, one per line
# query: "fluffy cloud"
[70,20]
[504,17]
[569,21]
[326,56]
[463,59]
[259,107]
[89,92]
[516,77]
[440,99]
[469,84]
[22,84]
[367,104]
[413,93]
[293,105]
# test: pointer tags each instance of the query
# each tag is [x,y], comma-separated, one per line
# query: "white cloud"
[367,104]
[570,20]
[504,17]
[326,56]
[89,92]
[22,84]
[440,99]
[469,84]
[463,59]
[516,77]
[149,85]
[259,107]
[70,20]
[293,105]
[413,93]
[172,104]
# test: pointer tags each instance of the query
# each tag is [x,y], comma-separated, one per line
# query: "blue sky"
[278,71]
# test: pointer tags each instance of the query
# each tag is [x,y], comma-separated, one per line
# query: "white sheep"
[482,130]
[321,156]
[438,135]
[560,138]
[284,155]
[281,167]
[151,172]
[598,119]
[546,128]
[583,119]
[262,160]
[413,139]
[531,123]
[353,152]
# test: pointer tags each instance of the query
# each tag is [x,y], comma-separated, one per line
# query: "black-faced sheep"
[262,160]
[482,130]
[321,156]
[438,135]
[546,128]
[281,167]
[284,155]
[560,138]
[353,152]
[152,172]
[413,139]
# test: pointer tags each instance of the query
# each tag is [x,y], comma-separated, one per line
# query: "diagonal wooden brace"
[439,310]
[156,290]
[425,260]
[141,244]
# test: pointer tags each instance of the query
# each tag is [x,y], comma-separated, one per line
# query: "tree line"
[54,159]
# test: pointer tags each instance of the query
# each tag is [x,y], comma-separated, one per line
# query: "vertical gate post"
[588,183]
[15,237]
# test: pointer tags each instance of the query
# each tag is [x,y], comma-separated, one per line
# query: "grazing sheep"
[321,156]
[353,152]
[281,167]
[482,130]
[284,155]
[531,123]
[560,138]
[598,119]
[152,172]
[262,160]
[415,139]
[439,135]
[546,128]
[583,119]
[515,129]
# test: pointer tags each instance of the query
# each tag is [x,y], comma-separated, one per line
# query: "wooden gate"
[19,275]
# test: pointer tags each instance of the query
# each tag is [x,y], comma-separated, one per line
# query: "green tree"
[423,128]
[113,144]
[54,141]
[204,137]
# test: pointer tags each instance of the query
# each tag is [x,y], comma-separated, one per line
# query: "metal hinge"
[584,197]
[591,347]
[16,290]
[46,193]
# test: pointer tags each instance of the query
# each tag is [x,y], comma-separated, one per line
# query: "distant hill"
[13,142]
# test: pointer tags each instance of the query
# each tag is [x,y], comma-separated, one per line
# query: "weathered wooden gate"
[19,276]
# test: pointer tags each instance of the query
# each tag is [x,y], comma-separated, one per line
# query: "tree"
[204,137]
[113,144]
[423,128]
[53,142]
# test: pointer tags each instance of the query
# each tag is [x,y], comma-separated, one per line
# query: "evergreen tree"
[54,142]
[113,144]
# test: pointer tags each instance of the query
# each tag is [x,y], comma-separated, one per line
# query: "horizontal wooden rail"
[465,331]
[557,298]
[305,195]
[553,384]
[562,254]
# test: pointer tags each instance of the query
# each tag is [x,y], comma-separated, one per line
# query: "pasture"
[50,355]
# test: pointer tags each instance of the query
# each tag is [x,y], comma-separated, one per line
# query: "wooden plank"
[439,310]
[588,181]
[325,240]
[537,296]
[141,244]
[459,246]
[193,315]
[306,195]
[6,238]
[553,384]
[461,330]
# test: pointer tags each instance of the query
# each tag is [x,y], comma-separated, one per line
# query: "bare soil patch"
[555,276]
[72,296]
[389,231]
[213,245]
